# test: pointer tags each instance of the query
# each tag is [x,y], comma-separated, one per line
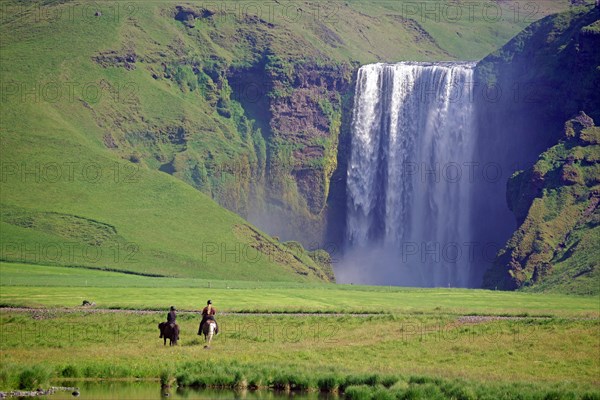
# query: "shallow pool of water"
[152,390]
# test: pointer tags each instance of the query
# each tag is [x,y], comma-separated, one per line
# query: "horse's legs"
[211,332]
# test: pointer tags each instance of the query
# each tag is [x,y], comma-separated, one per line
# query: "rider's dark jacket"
[171,317]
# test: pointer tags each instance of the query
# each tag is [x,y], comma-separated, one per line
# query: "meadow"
[25,285]
[418,343]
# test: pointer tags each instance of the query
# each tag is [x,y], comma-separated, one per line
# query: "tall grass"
[34,377]
[236,376]
[368,386]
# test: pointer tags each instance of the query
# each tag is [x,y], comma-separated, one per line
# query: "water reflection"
[152,390]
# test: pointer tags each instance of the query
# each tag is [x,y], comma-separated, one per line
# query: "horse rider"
[208,313]
[171,317]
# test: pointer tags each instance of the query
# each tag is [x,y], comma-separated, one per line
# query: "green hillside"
[140,220]
[119,122]
[67,199]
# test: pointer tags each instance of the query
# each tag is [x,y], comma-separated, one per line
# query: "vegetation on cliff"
[557,244]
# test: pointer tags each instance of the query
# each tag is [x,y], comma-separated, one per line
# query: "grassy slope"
[149,217]
[84,205]
[376,31]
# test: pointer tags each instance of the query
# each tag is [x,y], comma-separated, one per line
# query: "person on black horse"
[171,318]
[208,313]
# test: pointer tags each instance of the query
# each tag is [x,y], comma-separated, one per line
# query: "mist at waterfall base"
[411,178]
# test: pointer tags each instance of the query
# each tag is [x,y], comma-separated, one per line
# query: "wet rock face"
[299,107]
[307,121]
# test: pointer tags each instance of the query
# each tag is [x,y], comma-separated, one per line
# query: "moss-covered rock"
[556,205]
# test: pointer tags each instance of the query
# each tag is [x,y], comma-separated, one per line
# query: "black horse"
[169,331]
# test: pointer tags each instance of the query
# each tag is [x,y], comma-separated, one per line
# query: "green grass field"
[43,286]
[127,346]
[420,341]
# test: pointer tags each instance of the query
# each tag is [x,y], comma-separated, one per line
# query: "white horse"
[208,329]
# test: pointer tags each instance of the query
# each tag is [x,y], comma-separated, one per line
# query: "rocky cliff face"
[306,120]
[299,109]
[555,202]
[306,110]
[527,89]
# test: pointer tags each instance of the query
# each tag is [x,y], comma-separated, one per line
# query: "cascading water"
[409,181]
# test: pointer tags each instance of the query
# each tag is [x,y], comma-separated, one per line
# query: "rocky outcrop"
[112,58]
[556,205]
[188,15]
[293,254]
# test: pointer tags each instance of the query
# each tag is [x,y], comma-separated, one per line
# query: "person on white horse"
[208,317]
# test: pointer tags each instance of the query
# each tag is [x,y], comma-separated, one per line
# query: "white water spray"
[409,177]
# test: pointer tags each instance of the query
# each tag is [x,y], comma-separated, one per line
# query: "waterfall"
[410,176]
